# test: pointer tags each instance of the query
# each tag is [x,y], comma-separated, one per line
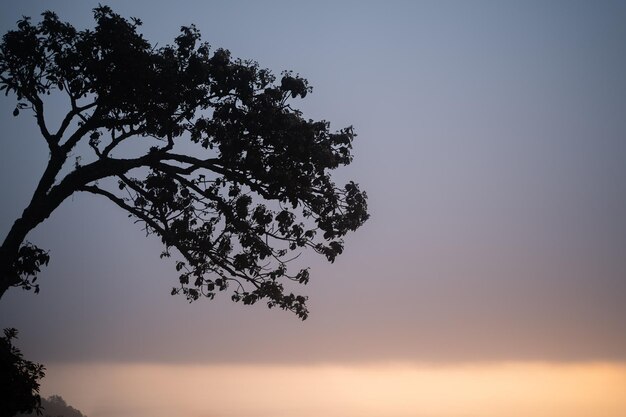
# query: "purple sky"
[492,144]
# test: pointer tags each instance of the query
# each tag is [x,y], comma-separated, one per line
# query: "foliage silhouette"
[19,379]
[250,189]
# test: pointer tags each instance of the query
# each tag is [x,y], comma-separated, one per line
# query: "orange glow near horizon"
[400,390]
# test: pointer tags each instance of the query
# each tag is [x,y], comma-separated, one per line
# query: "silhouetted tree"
[231,176]
[19,379]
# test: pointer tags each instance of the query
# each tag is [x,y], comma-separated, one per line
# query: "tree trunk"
[39,209]
[9,251]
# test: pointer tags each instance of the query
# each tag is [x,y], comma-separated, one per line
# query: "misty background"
[491,142]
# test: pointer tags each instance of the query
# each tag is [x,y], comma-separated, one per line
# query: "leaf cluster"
[28,265]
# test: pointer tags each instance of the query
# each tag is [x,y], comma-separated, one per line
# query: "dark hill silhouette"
[55,406]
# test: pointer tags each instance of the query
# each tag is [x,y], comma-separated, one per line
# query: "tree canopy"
[230,175]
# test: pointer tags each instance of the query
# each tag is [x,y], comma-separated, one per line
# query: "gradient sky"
[491,142]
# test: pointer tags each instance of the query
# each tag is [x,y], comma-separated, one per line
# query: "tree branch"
[70,115]
[52,141]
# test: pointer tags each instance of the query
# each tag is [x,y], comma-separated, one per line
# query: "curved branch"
[165,234]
